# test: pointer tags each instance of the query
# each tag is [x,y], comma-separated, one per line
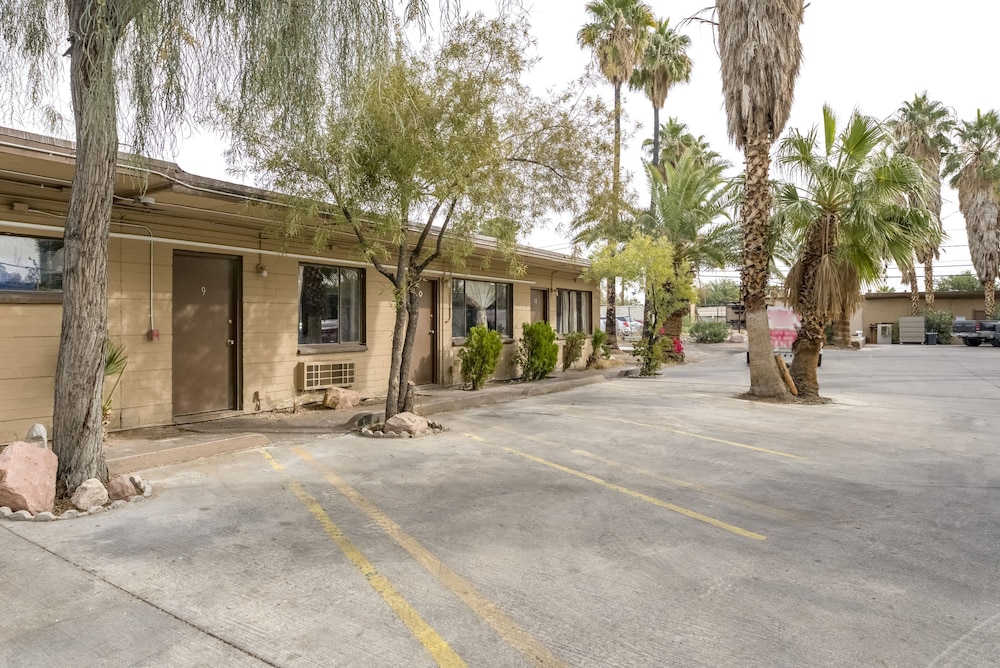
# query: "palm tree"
[760,50]
[974,168]
[617,36]
[922,130]
[675,141]
[664,64]
[847,219]
[691,208]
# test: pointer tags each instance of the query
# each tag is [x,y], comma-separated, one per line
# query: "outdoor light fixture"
[262,270]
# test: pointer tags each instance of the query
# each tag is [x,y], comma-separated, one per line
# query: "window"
[30,264]
[572,311]
[480,303]
[331,305]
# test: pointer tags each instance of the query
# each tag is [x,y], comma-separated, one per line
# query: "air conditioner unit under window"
[320,375]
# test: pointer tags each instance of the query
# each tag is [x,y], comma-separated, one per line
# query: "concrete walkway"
[138,449]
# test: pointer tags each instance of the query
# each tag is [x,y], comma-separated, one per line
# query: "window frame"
[459,339]
[334,347]
[54,296]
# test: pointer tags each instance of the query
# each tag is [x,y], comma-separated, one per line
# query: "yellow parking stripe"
[443,654]
[534,652]
[693,435]
[755,506]
[719,524]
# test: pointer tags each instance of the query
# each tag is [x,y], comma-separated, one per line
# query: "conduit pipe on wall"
[241,249]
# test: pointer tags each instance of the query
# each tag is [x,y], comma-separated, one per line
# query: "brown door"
[539,305]
[206,333]
[422,365]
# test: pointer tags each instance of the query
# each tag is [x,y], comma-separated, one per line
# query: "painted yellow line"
[693,435]
[534,652]
[734,499]
[719,524]
[443,654]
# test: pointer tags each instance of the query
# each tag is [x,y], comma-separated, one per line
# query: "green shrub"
[573,349]
[480,356]
[706,331]
[537,351]
[650,356]
[940,322]
[598,347]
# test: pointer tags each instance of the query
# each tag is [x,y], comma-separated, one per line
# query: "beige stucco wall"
[29,333]
[890,307]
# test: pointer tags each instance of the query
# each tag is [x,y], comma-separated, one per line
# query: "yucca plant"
[115,361]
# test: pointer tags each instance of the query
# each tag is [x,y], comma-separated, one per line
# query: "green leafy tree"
[848,216]
[721,291]
[964,282]
[436,147]
[616,35]
[760,50]
[922,130]
[974,168]
[142,67]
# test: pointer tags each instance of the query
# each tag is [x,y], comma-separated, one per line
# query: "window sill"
[31,297]
[327,348]
[459,341]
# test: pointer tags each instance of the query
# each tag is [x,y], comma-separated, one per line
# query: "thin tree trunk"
[911,277]
[929,280]
[400,302]
[412,321]
[610,320]
[79,380]
[765,380]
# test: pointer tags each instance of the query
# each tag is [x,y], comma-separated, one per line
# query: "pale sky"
[866,54]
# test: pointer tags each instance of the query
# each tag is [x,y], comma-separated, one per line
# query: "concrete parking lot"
[636,522]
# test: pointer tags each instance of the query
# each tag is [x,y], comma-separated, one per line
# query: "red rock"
[28,478]
[121,488]
[90,493]
[406,423]
[339,397]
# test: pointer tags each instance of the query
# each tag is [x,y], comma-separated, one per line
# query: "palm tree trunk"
[911,278]
[989,300]
[79,380]
[765,380]
[610,322]
[810,339]
[673,328]
[656,149]
[929,281]
[842,331]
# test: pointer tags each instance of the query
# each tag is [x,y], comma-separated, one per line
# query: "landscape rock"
[38,436]
[28,477]
[21,515]
[122,488]
[736,338]
[89,494]
[408,423]
[339,397]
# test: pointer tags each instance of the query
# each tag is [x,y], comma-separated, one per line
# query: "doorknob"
[430,331]
[232,342]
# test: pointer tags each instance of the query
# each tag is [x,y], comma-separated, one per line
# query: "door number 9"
[203,291]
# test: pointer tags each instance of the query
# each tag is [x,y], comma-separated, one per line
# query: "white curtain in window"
[482,296]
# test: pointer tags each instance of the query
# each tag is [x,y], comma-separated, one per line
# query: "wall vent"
[320,375]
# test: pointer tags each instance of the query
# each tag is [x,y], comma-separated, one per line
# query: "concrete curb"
[130,459]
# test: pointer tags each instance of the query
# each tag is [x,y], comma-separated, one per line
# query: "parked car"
[624,326]
[974,332]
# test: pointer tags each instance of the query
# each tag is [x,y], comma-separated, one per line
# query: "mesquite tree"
[437,146]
